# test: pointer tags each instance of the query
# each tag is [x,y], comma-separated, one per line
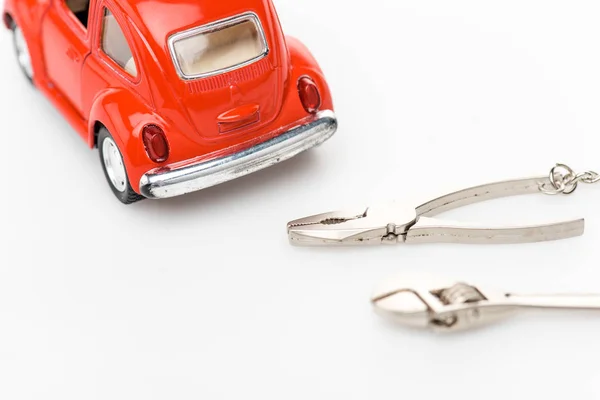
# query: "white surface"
[201,297]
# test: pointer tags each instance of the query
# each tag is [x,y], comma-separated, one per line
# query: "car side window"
[114,43]
[81,10]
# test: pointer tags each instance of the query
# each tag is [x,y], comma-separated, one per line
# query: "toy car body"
[177,95]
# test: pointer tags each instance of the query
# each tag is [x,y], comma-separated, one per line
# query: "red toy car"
[177,95]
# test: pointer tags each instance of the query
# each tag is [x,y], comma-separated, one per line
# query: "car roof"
[162,18]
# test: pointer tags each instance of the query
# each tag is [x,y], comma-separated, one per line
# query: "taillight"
[155,143]
[309,94]
[7,21]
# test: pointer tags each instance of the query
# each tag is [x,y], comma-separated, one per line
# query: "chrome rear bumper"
[191,176]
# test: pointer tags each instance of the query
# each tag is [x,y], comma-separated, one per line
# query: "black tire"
[127,195]
[15,30]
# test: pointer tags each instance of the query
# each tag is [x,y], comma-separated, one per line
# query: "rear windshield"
[219,47]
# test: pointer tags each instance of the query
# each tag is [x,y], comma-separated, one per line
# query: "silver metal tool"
[401,224]
[446,305]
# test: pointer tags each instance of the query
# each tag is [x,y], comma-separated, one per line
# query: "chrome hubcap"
[23,56]
[113,163]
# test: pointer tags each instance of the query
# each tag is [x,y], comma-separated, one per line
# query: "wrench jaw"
[448,307]
[407,299]
[403,307]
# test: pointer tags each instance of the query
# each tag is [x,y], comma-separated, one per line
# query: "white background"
[202,297]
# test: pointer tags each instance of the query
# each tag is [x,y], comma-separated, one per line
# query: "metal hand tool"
[446,305]
[401,224]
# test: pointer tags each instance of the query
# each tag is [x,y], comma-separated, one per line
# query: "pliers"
[400,224]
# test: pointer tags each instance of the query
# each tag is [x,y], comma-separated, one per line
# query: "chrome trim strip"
[162,183]
[212,27]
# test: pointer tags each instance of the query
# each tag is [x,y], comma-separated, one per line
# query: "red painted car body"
[217,126]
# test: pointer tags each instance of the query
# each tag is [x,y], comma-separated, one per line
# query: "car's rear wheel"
[114,168]
[22,52]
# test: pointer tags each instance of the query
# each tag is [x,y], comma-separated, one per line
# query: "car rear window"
[218,47]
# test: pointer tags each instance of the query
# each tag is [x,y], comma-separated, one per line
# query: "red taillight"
[309,94]
[7,21]
[155,143]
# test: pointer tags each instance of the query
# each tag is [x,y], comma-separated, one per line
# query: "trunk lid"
[233,82]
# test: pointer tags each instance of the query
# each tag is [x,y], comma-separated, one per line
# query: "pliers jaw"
[358,226]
